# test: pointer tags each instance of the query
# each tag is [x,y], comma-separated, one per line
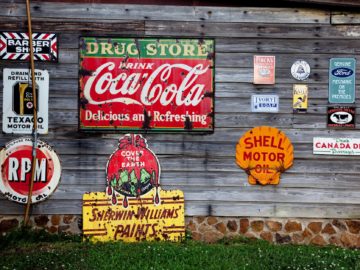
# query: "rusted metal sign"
[18,102]
[15,177]
[264,153]
[264,69]
[336,146]
[341,116]
[300,98]
[15,46]
[134,207]
[146,84]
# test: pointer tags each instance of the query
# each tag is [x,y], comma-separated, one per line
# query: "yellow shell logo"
[264,153]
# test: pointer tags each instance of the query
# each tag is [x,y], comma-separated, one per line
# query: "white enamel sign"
[336,146]
[18,101]
[265,103]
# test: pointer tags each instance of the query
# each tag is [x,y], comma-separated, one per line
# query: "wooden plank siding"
[203,166]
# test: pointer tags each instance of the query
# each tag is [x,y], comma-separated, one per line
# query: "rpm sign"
[15,177]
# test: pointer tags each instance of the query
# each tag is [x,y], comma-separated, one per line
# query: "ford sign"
[342,72]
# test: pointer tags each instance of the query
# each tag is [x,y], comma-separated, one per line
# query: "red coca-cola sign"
[146,84]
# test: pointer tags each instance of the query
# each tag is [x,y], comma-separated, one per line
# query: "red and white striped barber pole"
[15,46]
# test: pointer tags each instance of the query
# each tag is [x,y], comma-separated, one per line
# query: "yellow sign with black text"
[140,220]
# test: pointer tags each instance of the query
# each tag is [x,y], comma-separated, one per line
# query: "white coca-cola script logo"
[124,85]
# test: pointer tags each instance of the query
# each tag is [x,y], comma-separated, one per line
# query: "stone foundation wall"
[339,232]
[345,233]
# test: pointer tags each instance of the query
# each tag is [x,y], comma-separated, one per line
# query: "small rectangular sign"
[264,69]
[265,103]
[342,80]
[336,146]
[341,116]
[15,46]
[300,98]
[146,84]
[18,101]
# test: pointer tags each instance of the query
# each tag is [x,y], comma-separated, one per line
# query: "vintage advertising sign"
[15,46]
[300,70]
[146,84]
[341,116]
[264,69]
[18,101]
[336,146]
[265,103]
[264,153]
[134,207]
[300,98]
[342,80]
[15,177]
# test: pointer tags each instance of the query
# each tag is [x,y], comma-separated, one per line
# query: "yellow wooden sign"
[140,220]
[264,153]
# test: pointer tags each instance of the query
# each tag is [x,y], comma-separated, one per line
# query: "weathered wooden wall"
[203,166]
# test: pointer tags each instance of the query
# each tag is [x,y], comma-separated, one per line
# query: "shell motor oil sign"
[134,207]
[15,177]
[264,153]
[146,84]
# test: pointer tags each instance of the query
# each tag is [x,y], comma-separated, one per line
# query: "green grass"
[38,250]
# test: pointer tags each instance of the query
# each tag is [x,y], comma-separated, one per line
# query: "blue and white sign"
[342,80]
[265,103]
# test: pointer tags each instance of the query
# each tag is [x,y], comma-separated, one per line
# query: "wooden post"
[33,163]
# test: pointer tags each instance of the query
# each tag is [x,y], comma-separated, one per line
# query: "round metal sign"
[300,70]
[15,177]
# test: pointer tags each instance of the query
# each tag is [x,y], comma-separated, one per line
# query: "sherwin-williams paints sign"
[146,84]
[15,177]
[342,80]
[264,153]
[134,207]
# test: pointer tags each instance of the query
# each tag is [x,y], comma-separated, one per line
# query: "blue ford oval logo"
[342,72]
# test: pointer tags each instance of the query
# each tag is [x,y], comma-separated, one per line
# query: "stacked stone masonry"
[321,232]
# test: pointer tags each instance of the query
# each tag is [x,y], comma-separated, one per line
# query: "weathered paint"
[16,158]
[134,207]
[140,220]
[264,153]
[146,84]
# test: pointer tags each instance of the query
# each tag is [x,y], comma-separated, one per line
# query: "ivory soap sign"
[18,103]
[265,103]
[342,80]
[146,84]
[264,153]
[264,69]
[134,207]
[336,146]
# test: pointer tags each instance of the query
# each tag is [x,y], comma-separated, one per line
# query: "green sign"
[342,80]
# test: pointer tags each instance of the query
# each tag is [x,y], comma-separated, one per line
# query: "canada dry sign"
[15,175]
[264,153]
